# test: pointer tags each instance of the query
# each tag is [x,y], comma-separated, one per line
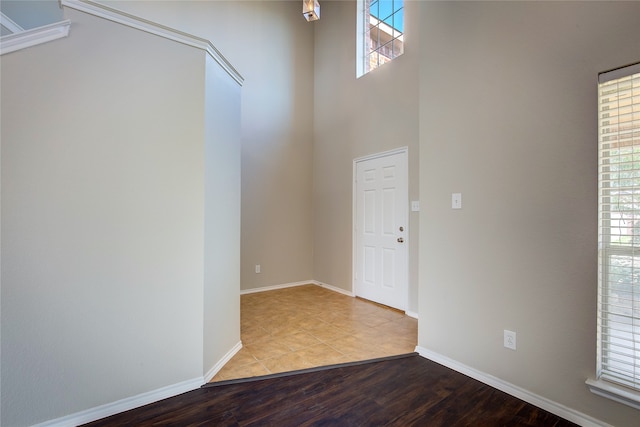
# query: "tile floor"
[308,326]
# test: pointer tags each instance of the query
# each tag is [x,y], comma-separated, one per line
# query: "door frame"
[354,216]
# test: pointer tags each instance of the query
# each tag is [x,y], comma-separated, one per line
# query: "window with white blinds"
[619,227]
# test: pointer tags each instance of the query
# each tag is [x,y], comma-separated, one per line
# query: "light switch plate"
[415,206]
[456,200]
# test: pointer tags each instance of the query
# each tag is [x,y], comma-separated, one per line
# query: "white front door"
[380,228]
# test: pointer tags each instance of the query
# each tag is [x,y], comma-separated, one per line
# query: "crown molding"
[35,36]
[93,8]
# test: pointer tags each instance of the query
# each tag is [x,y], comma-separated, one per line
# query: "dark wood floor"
[403,391]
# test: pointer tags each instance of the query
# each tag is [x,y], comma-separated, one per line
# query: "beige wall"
[508,118]
[271,45]
[353,118]
[103,221]
[494,100]
[221,312]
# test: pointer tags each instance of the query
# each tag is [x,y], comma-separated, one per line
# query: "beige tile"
[351,345]
[242,357]
[322,355]
[286,362]
[299,340]
[372,320]
[372,335]
[400,327]
[372,353]
[253,334]
[328,333]
[307,326]
[312,324]
[229,372]
[285,332]
[348,324]
[267,349]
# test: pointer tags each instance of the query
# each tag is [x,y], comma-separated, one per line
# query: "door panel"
[380,229]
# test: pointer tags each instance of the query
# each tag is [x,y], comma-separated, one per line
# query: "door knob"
[400,240]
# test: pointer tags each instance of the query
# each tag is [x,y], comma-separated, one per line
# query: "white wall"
[271,45]
[508,118]
[103,220]
[353,118]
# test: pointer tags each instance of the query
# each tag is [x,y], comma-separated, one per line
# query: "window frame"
[609,381]
[363,48]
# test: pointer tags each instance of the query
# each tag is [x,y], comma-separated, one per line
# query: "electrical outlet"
[510,339]
[257,268]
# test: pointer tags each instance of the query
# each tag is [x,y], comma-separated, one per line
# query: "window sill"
[614,392]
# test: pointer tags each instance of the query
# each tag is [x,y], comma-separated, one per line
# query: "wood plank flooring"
[402,391]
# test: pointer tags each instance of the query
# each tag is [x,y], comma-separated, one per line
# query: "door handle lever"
[400,240]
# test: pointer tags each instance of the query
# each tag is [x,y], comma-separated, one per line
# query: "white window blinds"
[619,227]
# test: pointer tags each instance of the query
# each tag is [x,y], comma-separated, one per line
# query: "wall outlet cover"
[510,339]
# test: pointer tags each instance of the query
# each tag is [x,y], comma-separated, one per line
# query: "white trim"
[529,397]
[360,30]
[614,392]
[413,314]
[399,150]
[10,24]
[115,15]
[106,410]
[126,404]
[354,219]
[275,287]
[312,282]
[216,368]
[294,284]
[35,36]
[334,288]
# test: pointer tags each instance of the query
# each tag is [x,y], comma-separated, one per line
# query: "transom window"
[380,33]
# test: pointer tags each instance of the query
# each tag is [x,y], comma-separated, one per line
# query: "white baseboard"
[529,397]
[411,314]
[294,284]
[333,288]
[311,282]
[142,399]
[216,368]
[275,287]
[122,405]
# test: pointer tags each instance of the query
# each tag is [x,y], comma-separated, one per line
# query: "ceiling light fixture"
[311,10]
